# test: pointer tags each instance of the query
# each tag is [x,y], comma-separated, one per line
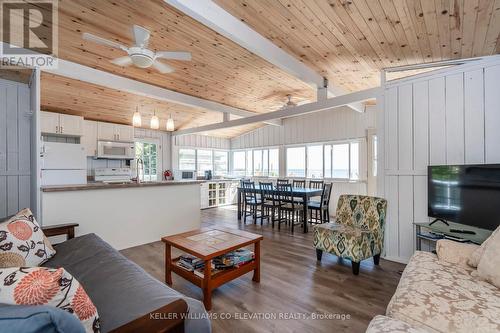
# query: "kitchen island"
[125,214]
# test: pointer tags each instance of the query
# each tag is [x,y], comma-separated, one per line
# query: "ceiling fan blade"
[175,55]
[141,36]
[102,41]
[162,68]
[122,61]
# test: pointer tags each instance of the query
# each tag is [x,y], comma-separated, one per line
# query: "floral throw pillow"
[48,286]
[22,242]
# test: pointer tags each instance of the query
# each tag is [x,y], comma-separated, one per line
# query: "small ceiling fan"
[138,54]
[289,103]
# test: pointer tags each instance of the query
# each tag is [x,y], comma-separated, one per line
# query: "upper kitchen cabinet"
[61,124]
[89,138]
[114,132]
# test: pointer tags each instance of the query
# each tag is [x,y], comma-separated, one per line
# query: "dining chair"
[321,208]
[299,183]
[282,182]
[316,184]
[289,210]
[251,201]
[270,202]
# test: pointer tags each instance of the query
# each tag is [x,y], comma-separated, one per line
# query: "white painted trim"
[322,105]
[91,75]
[216,18]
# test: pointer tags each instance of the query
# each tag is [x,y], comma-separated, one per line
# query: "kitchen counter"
[101,185]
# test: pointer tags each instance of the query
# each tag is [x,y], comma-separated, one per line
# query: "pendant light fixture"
[155,122]
[136,119]
[170,124]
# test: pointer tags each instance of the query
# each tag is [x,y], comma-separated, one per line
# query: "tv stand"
[439,220]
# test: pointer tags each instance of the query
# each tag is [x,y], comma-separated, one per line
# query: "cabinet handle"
[118,135]
[57,129]
[61,129]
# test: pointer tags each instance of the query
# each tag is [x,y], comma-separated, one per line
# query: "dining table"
[297,192]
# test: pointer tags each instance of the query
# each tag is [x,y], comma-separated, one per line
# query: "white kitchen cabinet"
[49,122]
[125,133]
[218,193]
[71,125]
[61,124]
[204,195]
[89,138]
[115,132]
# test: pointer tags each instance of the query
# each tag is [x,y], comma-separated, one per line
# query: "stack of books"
[229,260]
[189,262]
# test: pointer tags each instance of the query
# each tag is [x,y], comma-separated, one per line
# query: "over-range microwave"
[116,150]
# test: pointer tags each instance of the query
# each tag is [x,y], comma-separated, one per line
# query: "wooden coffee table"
[206,244]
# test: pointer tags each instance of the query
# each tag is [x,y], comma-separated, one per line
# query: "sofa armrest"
[454,252]
[168,318]
[67,229]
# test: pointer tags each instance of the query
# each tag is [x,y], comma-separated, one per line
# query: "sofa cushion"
[48,286]
[37,319]
[120,289]
[475,257]
[489,265]
[22,242]
[454,252]
[384,324]
[443,297]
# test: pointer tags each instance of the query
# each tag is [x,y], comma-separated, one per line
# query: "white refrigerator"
[63,164]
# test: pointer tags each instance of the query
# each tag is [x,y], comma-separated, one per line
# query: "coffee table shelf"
[206,244]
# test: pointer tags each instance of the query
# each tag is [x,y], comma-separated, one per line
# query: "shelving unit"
[218,193]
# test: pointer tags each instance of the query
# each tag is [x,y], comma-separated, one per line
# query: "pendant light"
[155,122]
[136,119]
[170,124]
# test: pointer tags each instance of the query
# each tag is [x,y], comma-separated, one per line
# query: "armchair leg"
[376,259]
[319,254]
[355,268]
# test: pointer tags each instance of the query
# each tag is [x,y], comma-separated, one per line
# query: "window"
[375,156]
[296,162]
[340,161]
[203,161]
[148,153]
[220,163]
[315,161]
[274,162]
[249,171]
[239,163]
[187,159]
[354,164]
[328,161]
[257,163]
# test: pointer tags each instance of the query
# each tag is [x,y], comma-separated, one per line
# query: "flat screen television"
[465,194]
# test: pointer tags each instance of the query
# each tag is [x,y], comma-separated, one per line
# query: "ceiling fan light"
[170,124]
[136,119]
[155,122]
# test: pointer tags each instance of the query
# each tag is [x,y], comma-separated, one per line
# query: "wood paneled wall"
[15,155]
[451,117]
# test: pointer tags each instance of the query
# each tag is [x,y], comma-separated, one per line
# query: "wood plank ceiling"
[349,41]
[220,70]
[63,95]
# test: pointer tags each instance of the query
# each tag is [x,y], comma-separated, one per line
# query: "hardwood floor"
[292,283]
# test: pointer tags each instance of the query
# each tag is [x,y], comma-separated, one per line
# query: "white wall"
[15,147]
[331,125]
[449,116]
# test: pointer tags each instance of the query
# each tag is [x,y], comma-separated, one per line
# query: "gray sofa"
[123,293]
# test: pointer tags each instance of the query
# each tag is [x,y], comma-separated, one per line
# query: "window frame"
[251,151]
[159,164]
[212,150]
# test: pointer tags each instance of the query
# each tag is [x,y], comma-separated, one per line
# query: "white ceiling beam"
[87,74]
[320,105]
[216,18]
[91,75]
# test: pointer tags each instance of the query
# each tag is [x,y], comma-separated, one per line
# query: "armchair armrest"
[454,252]
[168,318]
[67,229]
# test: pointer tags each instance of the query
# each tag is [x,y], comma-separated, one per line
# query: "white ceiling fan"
[138,54]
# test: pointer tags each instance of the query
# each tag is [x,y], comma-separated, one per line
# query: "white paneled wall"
[15,143]
[337,124]
[451,117]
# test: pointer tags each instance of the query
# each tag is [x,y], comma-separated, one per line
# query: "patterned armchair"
[358,233]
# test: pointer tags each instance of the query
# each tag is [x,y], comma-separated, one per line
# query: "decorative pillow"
[22,242]
[48,286]
[455,252]
[475,257]
[489,265]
